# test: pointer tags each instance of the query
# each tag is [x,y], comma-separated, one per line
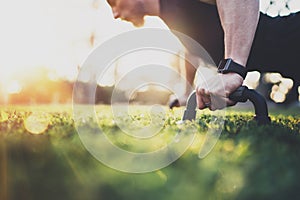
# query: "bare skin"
[189,73]
[239,21]
[134,10]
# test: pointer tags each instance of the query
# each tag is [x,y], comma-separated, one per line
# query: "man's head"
[134,10]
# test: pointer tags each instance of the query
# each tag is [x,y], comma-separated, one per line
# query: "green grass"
[248,162]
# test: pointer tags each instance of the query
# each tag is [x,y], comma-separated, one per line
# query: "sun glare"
[59,35]
[13,87]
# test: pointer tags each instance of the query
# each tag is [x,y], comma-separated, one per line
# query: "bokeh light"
[281,86]
[252,79]
[279,7]
[272,78]
[37,122]
[278,97]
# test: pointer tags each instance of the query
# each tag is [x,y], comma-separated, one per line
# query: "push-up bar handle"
[242,94]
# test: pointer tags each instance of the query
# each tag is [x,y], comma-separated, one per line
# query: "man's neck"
[152,7]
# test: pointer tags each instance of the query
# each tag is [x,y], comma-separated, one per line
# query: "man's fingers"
[220,103]
[200,103]
[203,98]
[230,102]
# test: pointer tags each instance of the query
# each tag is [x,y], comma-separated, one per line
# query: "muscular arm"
[239,21]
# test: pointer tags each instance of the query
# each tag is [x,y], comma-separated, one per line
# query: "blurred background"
[44,43]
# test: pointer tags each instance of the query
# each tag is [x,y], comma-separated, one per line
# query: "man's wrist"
[236,76]
[229,66]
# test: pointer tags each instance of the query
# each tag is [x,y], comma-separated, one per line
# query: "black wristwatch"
[228,65]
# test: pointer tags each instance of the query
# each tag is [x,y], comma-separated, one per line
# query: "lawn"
[49,161]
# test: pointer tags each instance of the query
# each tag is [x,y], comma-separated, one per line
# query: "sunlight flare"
[14,87]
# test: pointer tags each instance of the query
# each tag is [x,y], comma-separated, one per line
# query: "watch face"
[224,64]
[228,65]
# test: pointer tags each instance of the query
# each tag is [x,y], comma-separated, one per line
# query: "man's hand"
[214,93]
[239,20]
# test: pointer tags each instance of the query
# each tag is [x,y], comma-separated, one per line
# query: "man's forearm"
[239,21]
[190,71]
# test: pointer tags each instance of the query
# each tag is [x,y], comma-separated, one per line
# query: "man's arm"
[190,67]
[239,20]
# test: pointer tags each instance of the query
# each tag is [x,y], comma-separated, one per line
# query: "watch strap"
[228,65]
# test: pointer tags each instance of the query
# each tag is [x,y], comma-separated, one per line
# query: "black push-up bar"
[242,94]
